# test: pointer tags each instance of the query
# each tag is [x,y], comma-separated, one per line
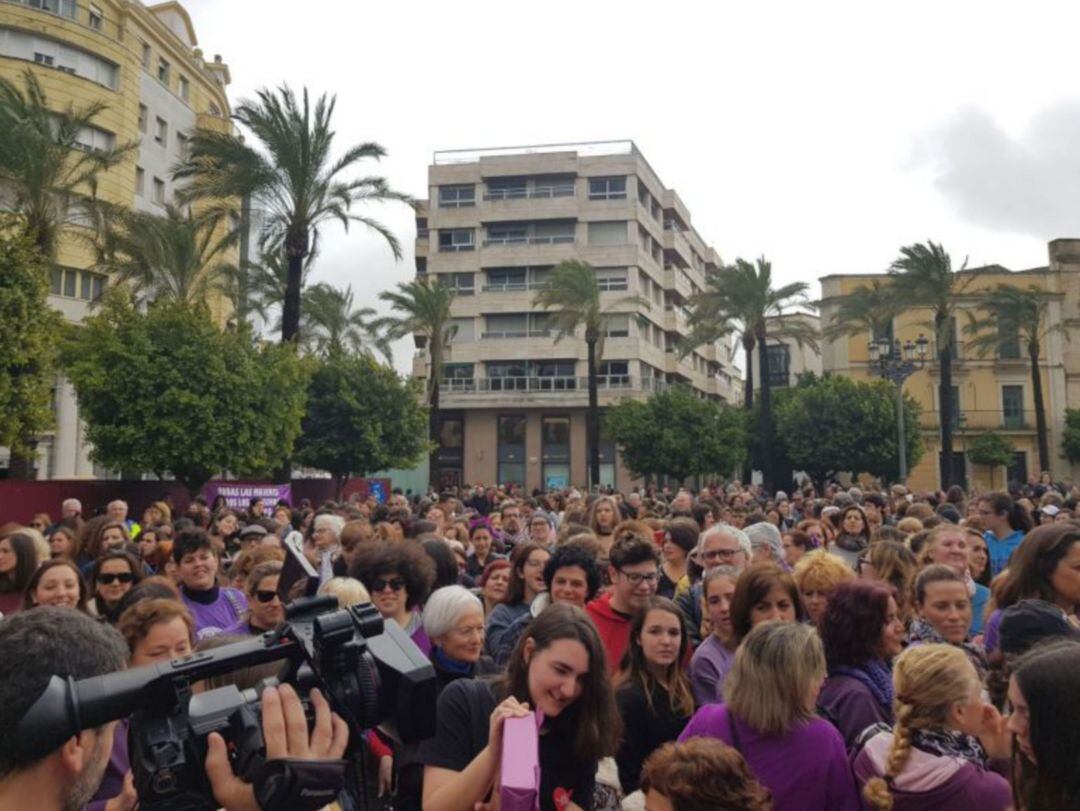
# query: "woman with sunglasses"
[112,577]
[265,610]
[399,577]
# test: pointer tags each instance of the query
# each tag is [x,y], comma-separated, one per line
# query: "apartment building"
[497,221]
[785,359]
[143,63]
[992,392]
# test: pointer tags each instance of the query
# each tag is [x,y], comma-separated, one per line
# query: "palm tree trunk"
[748,348]
[295,251]
[945,405]
[1040,407]
[592,414]
[433,414]
[764,416]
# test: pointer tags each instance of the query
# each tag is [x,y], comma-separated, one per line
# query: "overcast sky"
[823,135]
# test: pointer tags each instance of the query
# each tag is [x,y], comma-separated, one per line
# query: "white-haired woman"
[325,546]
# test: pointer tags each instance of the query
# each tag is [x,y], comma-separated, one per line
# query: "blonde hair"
[822,570]
[930,680]
[968,533]
[348,591]
[770,684]
[909,526]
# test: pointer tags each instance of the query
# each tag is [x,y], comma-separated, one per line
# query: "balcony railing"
[543,384]
[531,333]
[554,239]
[979,420]
[514,287]
[538,193]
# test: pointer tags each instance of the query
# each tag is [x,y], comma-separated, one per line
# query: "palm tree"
[49,174]
[922,276]
[573,296]
[292,178]
[331,325]
[866,309]
[1017,315]
[176,256]
[422,309]
[741,298]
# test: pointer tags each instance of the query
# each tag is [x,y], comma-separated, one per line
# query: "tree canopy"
[168,391]
[991,449]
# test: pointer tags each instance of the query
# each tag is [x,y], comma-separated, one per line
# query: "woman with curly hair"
[113,575]
[701,775]
[932,758]
[891,563]
[100,534]
[399,577]
[861,631]
[817,575]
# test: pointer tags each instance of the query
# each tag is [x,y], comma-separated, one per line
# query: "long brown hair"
[593,719]
[635,670]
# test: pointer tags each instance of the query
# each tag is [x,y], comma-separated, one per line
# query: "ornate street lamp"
[896,363]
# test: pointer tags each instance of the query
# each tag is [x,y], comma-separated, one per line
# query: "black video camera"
[370,673]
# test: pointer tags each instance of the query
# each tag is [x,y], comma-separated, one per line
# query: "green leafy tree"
[835,424]
[1015,317]
[28,337]
[923,276]
[1070,438]
[217,400]
[421,308]
[991,449]
[573,298]
[675,433]
[291,176]
[49,177]
[741,298]
[331,324]
[361,417]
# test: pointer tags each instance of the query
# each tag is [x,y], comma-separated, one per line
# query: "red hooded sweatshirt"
[614,628]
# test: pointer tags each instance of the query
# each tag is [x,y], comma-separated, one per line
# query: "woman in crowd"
[18,560]
[1006,522]
[348,590]
[113,576]
[157,513]
[99,536]
[265,609]
[862,632]
[980,558]
[768,716]
[526,581]
[602,519]
[950,546]
[796,545]
[932,759]
[652,691]
[1045,567]
[680,538]
[853,536]
[764,592]
[557,668]
[57,582]
[493,583]
[944,613]
[893,564]
[701,775]
[817,575]
[398,576]
[481,554]
[63,543]
[714,656]
[816,531]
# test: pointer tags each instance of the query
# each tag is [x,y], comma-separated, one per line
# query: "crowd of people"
[829,649]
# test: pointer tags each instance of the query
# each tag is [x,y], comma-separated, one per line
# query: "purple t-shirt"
[806,770]
[708,669]
[212,618]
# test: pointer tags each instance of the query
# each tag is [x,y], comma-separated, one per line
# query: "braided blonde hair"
[930,680]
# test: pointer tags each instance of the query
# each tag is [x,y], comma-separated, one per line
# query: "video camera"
[370,673]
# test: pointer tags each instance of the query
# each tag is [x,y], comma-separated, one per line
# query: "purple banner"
[239,494]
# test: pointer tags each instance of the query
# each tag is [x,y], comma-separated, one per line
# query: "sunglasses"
[122,577]
[380,584]
[265,596]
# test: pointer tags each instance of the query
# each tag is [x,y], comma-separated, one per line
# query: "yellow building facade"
[144,65]
[992,392]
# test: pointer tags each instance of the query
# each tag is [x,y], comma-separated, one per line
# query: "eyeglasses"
[636,578]
[265,595]
[722,554]
[380,584]
[122,577]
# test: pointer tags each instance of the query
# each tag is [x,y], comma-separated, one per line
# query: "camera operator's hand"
[127,799]
[285,731]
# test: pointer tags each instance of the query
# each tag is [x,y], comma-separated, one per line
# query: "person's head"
[558,667]
[853,522]
[723,545]
[70,508]
[764,592]
[494,581]
[717,592]
[157,630]
[510,517]
[527,563]
[816,531]
[701,774]
[63,543]
[892,563]
[795,544]
[860,624]
[454,621]
[1045,566]
[540,528]
[633,569]
[680,539]
[264,604]
[766,543]
[937,689]
[326,531]
[117,510]
[57,583]
[949,545]
[1001,515]
[776,677]
[256,507]
[398,575]
[347,590]
[195,558]
[656,651]
[941,598]
[113,576]
[35,646]
[571,575]
[480,538]
[227,522]
[603,515]
[18,560]
[979,557]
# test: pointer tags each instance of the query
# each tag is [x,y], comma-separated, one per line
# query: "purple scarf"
[876,677]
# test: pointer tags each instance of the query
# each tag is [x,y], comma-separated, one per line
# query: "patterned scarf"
[876,677]
[852,543]
[922,631]
[949,743]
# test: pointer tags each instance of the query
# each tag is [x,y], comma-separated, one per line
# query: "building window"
[613,374]
[161,131]
[612,279]
[516,279]
[457,196]
[507,188]
[140,181]
[534,375]
[463,330]
[43,59]
[457,239]
[778,363]
[603,234]
[1009,333]
[159,191]
[954,406]
[607,188]
[617,325]
[143,113]
[516,325]
[1012,406]
[163,72]
[459,377]
[77,284]
[555,451]
[184,87]
[463,284]
[96,19]
[182,145]
[93,138]
[147,56]
[451,450]
[511,450]
[507,234]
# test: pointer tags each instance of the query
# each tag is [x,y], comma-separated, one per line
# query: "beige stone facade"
[496,222]
[786,359]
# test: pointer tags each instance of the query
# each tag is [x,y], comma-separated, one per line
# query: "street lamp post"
[896,363]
